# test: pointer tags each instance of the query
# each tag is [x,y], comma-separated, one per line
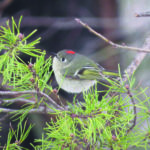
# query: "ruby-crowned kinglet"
[76,73]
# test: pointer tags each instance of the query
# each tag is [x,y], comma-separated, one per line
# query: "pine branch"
[39,110]
[134,108]
[12,93]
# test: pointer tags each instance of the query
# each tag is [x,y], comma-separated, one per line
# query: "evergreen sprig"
[101,124]
[12,43]
[20,135]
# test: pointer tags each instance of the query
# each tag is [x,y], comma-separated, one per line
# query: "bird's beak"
[53,54]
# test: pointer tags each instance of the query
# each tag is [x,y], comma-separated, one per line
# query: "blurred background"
[55,21]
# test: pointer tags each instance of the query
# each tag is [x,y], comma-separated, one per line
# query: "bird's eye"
[63,59]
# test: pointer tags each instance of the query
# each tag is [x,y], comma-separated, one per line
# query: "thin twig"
[136,61]
[143,14]
[32,92]
[134,108]
[39,110]
[16,100]
[110,42]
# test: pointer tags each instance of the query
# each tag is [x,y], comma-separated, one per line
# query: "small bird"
[76,73]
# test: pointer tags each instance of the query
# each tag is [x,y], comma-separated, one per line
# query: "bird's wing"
[91,73]
[88,73]
[85,69]
[83,73]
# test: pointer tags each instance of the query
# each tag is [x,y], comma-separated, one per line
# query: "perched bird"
[76,73]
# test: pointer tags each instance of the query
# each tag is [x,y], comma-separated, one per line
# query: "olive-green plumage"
[76,73]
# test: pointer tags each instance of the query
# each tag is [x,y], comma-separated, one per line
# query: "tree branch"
[40,110]
[143,14]
[12,93]
[109,41]
[134,108]
[137,61]
[16,100]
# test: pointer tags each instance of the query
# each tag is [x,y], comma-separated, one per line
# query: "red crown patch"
[70,52]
